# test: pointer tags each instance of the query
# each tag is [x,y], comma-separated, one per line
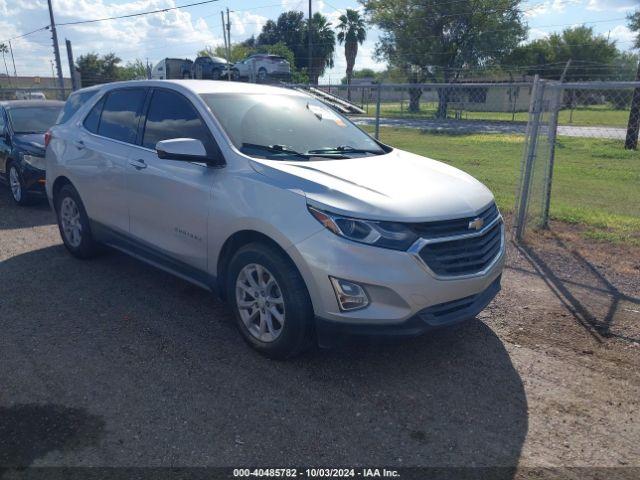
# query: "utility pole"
[226,44]
[15,72]
[633,127]
[56,49]
[310,53]
[72,67]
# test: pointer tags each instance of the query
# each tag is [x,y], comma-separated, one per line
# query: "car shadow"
[140,341]
[13,216]
[30,431]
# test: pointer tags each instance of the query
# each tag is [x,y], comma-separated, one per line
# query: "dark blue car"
[23,124]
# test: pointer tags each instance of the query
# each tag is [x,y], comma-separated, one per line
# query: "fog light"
[351,296]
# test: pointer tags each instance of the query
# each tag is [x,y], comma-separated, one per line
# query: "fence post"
[377,135]
[556,103]
[531,142]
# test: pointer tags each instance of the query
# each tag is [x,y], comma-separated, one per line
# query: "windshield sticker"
[325,114]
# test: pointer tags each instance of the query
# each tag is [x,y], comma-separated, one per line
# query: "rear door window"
[121,114]
[171,115]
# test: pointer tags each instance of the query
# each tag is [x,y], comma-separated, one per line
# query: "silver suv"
[261,67]
[309,227]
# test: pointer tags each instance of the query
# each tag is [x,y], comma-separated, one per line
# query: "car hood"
[34,142]
[398,186]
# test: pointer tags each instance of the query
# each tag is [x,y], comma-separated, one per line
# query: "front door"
[168,199]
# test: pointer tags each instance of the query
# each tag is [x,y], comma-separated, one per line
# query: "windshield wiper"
[346,149]
[289,151]
[275,149]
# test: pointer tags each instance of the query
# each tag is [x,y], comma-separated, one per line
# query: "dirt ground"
[154,372]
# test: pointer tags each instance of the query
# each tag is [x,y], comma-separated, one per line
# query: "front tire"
[17,190]
[270,301]
[73,223]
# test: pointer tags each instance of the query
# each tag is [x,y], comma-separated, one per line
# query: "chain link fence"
[491,107]
[34,93]
[589,110]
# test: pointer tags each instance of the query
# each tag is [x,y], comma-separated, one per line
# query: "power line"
[46,27]
[131,15]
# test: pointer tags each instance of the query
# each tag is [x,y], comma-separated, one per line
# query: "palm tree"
[3,50]
[324,43]
[351,31]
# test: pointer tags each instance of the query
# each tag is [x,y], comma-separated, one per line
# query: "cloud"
[622,35]
[536,34]
[611,5]
[552,7]
[245,24]
[170,33]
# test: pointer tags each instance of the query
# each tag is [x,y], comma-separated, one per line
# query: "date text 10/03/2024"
[316,473]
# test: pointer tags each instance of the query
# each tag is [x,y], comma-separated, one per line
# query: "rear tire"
[73,223]
[270,301]
[262,75]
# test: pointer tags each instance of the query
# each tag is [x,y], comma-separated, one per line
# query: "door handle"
[138,164]
[79,144]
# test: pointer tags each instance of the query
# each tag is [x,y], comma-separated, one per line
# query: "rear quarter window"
[73,104]
[92,121]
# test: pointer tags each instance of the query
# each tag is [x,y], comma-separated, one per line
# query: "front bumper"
[437,316]
[403,293]
[33,179]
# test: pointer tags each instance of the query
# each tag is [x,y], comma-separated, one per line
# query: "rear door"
[168,199]
[99,156]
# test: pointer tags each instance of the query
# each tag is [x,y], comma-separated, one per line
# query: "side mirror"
[185,150]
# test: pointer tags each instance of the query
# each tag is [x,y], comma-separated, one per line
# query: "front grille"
[450,228]
[464,256]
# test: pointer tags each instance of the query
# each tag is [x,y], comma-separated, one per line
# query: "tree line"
[420,41]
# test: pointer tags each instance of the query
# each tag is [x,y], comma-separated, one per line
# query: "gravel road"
[110,362]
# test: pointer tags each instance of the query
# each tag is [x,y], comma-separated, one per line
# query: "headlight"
[35,161]
[381,234]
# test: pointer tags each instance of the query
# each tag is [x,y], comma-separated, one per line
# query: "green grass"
[597,115]
[596,181]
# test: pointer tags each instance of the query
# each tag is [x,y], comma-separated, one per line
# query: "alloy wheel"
[260,302]
[70,219]
[14,182]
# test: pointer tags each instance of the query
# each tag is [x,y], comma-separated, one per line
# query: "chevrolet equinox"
[306,225]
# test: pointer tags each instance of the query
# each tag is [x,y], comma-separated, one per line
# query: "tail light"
[47,138]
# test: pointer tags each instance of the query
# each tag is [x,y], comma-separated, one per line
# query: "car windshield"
[33,119]
[288,127]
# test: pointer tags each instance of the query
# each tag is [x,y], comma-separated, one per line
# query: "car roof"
[210,86]
[31,103]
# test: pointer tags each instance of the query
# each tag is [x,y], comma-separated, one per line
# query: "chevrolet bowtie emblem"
[476,223]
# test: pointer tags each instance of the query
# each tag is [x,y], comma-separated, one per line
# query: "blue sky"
[181,33]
